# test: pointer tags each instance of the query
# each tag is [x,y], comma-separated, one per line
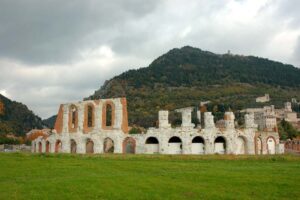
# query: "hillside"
[16,118]
[186,76]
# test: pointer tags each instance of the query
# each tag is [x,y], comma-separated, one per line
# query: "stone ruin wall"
[76,131]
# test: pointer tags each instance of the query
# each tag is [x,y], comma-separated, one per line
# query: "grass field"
[40,176]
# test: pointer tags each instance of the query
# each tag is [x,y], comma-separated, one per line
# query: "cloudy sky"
[54,52]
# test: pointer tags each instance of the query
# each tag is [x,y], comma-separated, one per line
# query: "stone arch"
[108,145]
[108,115]
[73,146]
[73,118]
[89,117]
[271,145]
[259,146]
[241,145]
[152,145]
[58,146]
[89,146]
[40,147]
[220,146]
[129,145]
[198,145]
[175,145]
[47,146]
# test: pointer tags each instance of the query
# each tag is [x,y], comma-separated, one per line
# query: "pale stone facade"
[101,126]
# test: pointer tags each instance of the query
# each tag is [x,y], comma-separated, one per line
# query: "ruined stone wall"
[79,135]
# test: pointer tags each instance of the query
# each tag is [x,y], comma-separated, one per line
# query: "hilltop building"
[263,99]
[101,126]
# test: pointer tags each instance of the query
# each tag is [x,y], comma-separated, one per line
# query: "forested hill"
[16,118]
[186,76]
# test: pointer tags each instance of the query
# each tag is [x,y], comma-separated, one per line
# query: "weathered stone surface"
[81,136]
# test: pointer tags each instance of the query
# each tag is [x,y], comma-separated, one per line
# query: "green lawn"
[40,176]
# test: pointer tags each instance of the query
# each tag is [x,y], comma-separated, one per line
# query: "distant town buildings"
[266,118]
[263,99]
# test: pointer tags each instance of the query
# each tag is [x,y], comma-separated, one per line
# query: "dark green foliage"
[17,118]
[5,140]
[184,77]
[50,121]
[287,131]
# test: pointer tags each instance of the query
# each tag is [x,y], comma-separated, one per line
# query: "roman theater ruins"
[101,126]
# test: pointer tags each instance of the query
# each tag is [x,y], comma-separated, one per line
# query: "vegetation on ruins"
[58,176]
[287,131]
[183,77]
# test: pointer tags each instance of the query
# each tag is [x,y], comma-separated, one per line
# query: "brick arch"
[267,147]
[40,147]
[89,146]
[221,139]
[104,114]
[58,146]
[129,145]
[86,126]
[73,118]
[47,146]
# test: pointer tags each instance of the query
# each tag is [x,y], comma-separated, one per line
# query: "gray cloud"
[53,52]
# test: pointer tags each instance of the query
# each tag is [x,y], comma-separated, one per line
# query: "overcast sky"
[54,52]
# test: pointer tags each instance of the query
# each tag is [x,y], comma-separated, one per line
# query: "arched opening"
[271,145]
[108,146]
[47,146]
[152,145]
[175,145]
[129,145]
[40,147]
[58,146]
[220,145]
[90,116]
[89,147]
[108,118]
[198,145]
[73,118]
[73,146]
[258,146]
[241,145]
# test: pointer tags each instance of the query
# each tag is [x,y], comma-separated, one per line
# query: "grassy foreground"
[40,176]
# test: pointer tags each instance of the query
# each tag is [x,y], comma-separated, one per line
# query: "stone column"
[229,120]
[209,121]
[199,118]
[80,108]
[65,119]
[163,118]
[186,114]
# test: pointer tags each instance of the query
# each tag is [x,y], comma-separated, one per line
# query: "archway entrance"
[241,145]
[47,146]
[108,146]
[152,145]
[129,145]
[89,147]
[40,147]
[271,145]
[198,145]
[58,146]
[175,145]
[73,146]
[220,145]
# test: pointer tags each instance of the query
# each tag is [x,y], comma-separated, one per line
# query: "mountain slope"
[16,118]
[186,76]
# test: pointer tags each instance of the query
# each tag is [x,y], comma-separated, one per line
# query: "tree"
[287,131]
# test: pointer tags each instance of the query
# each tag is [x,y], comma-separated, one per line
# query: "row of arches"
[152,145]
[89,116]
